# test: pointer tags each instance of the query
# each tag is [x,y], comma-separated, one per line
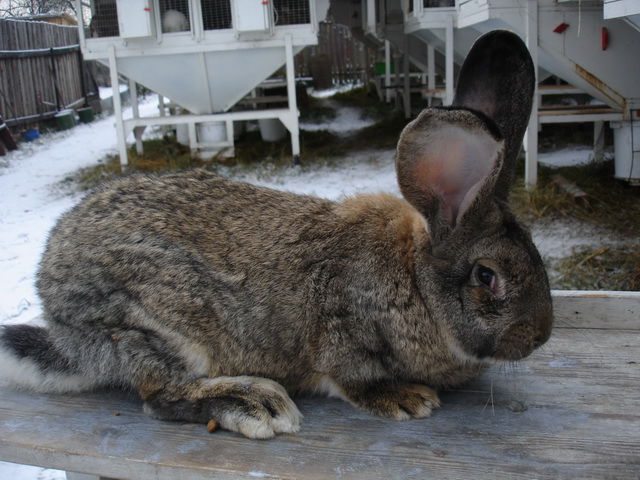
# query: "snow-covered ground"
[32,199]
[567,157]
[347,120]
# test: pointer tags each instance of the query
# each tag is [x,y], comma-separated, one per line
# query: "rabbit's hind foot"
[254,406]
[397,401]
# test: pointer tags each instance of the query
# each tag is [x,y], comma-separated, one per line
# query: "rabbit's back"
[198,292]
[219,266]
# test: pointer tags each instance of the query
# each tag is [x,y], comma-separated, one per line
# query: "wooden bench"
[572,410]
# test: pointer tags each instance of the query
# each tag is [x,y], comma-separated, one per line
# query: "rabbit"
[220,300]
[174,21]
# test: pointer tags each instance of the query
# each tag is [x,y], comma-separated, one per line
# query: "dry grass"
[318,146]
[315,110]
[365,99]
[612,203]
[601,269]
[162,155]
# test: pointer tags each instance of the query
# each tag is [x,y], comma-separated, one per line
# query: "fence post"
[55,78]
[83,86]
[51,66]
[6,139]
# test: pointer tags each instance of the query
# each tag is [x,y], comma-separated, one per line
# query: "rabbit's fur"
[211,297]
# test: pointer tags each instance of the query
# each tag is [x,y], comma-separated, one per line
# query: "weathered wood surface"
[33,84]
[596,309]
[572,410]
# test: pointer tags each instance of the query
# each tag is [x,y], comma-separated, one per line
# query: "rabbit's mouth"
[521,340]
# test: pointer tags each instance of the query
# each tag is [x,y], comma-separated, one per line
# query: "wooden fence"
[41,70]
[338,55]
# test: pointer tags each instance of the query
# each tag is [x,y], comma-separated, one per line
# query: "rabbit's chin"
[516,343]
[519,342]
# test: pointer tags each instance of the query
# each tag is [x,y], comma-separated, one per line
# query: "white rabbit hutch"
[590,44]
[203,55]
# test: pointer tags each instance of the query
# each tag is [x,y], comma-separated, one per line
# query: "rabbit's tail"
[29,359]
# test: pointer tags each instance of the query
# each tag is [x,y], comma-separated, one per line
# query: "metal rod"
[449,62]
[293,103]
[387,70]
[38,52]
[405,71]
[179,119]
[117,107]
[531,136]
[431,70]
[83,86]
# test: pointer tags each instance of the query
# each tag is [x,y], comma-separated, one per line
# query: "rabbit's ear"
[498,79]
[446,160]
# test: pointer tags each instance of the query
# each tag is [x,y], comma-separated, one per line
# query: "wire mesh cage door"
[216,14]
[103,21]
[175,15]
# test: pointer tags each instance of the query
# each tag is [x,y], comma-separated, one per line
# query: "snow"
[32,199]
[107,92]
[12,471]
[363,172]
[330,92]
[346,121]
[567,157]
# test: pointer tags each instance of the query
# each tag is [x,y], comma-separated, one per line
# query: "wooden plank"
[596,309]
[26,81]
[571,410]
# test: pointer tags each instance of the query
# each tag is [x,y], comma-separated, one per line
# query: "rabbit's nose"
[540,340]
[545,322]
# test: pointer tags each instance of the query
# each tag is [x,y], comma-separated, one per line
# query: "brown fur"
[208,296]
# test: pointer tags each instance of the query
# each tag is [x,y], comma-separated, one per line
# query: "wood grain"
[26,79]
[596,309]
[572,410]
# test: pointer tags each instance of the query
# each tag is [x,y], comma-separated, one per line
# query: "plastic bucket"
[212,132]
[31,134]
[626,140]
[182,133]
[272,129]
[86,115]
[65,119]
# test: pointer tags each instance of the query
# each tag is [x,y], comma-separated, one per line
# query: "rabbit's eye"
[486,276]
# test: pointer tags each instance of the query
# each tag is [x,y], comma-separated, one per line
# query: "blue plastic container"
[31,134]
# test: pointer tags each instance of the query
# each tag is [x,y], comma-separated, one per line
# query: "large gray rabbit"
[215,299]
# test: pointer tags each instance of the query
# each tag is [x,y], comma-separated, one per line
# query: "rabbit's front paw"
[254,406]
[400,402]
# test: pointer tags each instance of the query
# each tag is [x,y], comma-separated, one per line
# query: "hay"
[600,269]
[612,203]
[161,155]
